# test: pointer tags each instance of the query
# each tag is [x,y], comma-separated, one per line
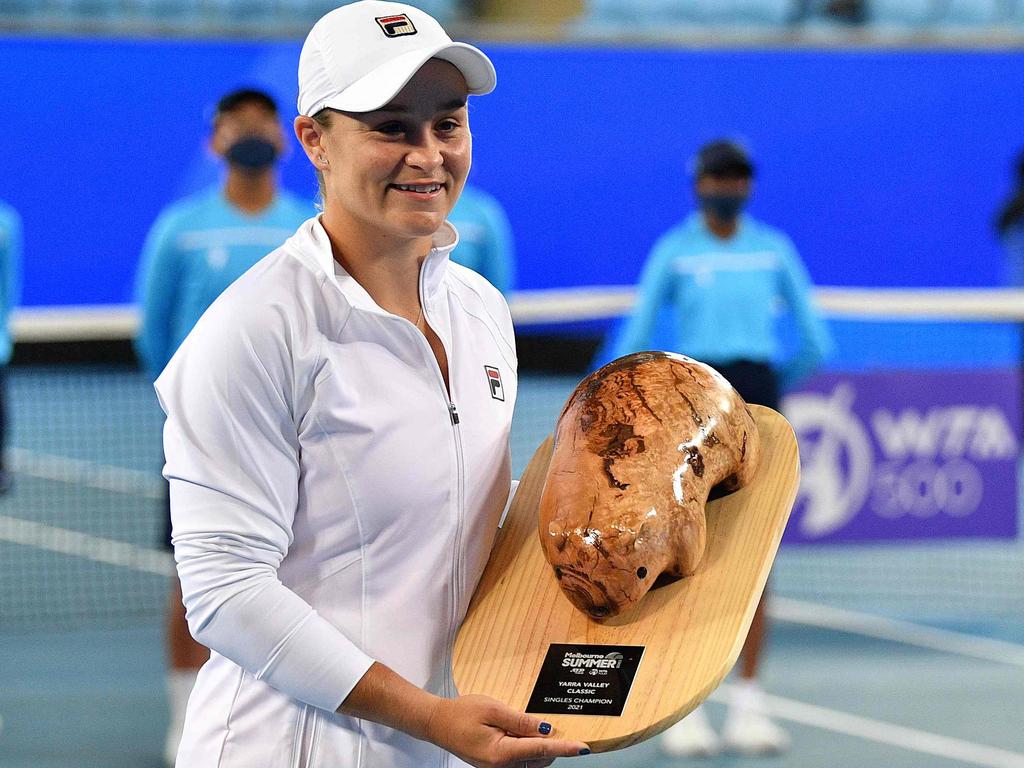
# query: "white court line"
[118,553]
[867,625]
[32,534]
[148,485]
[65,541]
[882,732]
[88,473]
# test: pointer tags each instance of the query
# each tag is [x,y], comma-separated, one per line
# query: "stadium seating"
[216,12]
[911,13]
[646,16]
[655,14]
[975,12]
[920,13]
[882,14]
[745,11]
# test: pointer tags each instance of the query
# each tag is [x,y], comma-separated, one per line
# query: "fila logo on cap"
[494,379]
[396,26]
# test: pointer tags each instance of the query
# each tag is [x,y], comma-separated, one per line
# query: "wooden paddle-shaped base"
[692,631]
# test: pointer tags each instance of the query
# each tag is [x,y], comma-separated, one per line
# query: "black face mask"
[724,207]
[252,154]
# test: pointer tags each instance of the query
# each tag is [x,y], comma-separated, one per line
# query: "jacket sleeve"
[157,293]
[11,243]
[233,464]
[815,341]
[652,292]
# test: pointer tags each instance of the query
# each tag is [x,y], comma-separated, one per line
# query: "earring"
[323,160]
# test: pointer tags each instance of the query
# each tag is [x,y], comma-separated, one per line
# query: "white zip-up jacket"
[331,505]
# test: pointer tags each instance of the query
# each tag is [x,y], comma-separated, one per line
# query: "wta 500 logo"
[892,462]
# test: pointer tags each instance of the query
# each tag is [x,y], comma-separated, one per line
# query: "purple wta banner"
[906,455]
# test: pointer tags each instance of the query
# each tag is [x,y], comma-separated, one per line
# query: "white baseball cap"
[359,56]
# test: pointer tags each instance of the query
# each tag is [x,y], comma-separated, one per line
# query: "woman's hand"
[483,732]
[487,734]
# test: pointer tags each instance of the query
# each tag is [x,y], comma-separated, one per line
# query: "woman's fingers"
[519,723]
[487,734]
[517,751]
[523,731]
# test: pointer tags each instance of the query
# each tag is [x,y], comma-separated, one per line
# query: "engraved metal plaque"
[585,679]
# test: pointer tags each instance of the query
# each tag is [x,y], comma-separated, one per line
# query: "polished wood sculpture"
[638,448]
[691,630]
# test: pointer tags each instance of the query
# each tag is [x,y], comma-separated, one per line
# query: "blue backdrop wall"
[884,166]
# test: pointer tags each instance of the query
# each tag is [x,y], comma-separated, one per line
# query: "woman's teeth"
[424,188]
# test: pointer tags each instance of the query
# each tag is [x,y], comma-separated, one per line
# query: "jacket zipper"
[449,688]
[456,569]
[453,414]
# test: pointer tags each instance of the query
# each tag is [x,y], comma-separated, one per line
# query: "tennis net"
[81,529]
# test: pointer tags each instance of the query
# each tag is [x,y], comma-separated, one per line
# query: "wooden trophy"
[616,680]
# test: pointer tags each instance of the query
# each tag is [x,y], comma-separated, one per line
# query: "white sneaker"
[171,742]
[179,687]
[749,730]
[691,737]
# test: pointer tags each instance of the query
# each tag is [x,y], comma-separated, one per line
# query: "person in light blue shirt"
[1010,229]
[724,274]
[196,249]
[10,293]
[1009,225]
[485,238]
[200,245]
[712,287]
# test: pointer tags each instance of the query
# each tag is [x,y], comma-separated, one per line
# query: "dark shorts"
[166,509]
[756,382]
[167,516]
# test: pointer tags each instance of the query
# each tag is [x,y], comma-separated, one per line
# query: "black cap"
[229,102]
[723,158]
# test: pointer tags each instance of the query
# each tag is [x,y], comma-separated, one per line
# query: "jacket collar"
[313,244]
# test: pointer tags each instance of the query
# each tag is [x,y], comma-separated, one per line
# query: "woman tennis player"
[337,437]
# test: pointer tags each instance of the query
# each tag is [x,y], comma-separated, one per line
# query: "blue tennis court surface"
[94,699]
[879,655]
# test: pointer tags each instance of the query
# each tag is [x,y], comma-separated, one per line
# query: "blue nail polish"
[545,728]
[584,751]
